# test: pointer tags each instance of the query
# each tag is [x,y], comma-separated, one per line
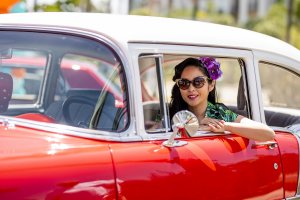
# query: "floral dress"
[220,111]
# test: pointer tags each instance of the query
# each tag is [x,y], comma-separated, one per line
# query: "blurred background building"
[278,18]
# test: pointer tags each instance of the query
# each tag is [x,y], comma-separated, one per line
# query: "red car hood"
[22,141]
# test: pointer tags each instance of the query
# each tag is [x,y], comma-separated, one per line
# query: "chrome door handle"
[268,144]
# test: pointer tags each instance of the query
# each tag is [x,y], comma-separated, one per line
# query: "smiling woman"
[199,96]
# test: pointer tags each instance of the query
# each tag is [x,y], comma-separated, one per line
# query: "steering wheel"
[66,107]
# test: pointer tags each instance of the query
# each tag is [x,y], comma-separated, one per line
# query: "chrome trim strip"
[297,197]
[130,134]
[68,130]
[297,136]
[162,86]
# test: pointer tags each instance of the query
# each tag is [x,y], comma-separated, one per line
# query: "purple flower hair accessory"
[212,66]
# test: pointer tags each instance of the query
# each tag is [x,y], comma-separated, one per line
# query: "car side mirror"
[183,121]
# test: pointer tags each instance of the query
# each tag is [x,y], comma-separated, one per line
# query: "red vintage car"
[107,134]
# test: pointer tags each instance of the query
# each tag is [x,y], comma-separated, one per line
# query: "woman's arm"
[242,126]
[248,128]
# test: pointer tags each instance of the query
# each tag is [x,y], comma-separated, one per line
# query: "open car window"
[231,87]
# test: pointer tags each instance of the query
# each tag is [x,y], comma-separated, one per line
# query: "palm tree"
[235,10]
[289,19]
[195,9]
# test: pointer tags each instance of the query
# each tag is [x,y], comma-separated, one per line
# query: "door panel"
[209,166]
[289,152]
[212,167]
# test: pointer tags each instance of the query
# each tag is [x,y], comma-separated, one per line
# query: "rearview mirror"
[188,120]
[182,121]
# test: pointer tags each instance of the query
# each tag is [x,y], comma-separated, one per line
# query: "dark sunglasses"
[197,82]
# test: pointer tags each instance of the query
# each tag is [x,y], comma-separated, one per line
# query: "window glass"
[151,94]
[280,97]
[93,79]
[71,79]
[230,87]
[279,91]
[27,69]
[84,72]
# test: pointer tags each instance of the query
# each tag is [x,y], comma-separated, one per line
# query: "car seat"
[241,108]
[6,87]
[80,112]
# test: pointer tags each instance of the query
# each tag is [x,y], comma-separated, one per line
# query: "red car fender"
[42,165]
[289,151]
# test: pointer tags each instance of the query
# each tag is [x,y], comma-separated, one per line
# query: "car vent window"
[153,94]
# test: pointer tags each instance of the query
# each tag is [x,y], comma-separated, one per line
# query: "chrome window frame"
[138,49]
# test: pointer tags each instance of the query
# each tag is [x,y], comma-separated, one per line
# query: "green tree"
[275,22]
[59,6]
[297,11]
[295,30]
[145,11]
[67,6]
[215,16]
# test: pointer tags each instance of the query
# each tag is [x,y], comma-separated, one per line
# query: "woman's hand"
[210,124]
[242,126]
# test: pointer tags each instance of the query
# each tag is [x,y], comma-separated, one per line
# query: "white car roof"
[129,28]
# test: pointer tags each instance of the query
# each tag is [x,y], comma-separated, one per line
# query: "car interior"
[153,119]
[272,118]
[75,106]
[6,86]
[79,106]
[152,115]
[90,106]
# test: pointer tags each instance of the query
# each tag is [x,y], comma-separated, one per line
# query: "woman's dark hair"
[177,103]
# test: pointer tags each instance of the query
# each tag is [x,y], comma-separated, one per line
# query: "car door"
[208,166]
[211,167]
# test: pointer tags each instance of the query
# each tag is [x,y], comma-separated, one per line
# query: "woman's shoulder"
[220,111]
[217,106]
[221,106]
